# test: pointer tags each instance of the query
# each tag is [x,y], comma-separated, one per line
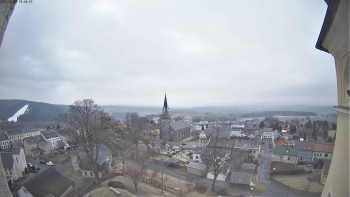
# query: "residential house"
[196,168]
[203,139]
[48,183]
[103,164]
[251,145]
[35,146]
[53,137]
[322,152]
[284,153]
[4,141]
[325,171]
[305,150]
[17,136]
[266,132]
[221,143]
[248,167]
[9,166]
[19,158]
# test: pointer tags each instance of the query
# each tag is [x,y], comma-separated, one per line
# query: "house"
[17,136]
[9,166]
[4,141]
[241,178]
[248,167]
[19,160]
[103,163]
[47,183]
[284,153]
[305,151]
[322,152]
[53,137]
[251,145]
[221,143]
[220,177]
[267,134]
[196,168]
[325,171]
[35,146]
[203,139]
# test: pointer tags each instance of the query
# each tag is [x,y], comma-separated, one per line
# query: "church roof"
[178,125]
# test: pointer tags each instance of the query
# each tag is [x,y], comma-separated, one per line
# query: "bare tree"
[215,156]
[135,133]
[89,127]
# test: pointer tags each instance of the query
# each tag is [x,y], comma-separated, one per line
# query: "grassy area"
[259,187]
[106,192]
[60,159]
[143,189]
[300,183]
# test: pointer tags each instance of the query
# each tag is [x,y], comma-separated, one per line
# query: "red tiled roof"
[327,148]
[281,141]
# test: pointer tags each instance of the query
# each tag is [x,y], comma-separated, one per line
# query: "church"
[172,130]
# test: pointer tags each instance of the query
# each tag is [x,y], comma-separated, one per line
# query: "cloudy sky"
[200,52]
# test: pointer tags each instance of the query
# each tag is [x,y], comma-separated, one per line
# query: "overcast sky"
[199,52]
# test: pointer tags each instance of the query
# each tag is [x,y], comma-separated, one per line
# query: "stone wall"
[6,9]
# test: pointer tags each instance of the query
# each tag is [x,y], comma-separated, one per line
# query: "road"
[264,175]
[265,161]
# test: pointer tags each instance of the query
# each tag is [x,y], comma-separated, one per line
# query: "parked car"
[33,168]
[43,161]
[49,163]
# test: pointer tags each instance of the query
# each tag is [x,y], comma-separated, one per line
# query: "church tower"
[165,122]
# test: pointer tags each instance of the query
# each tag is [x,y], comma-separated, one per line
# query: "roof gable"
[327,148]
[7,160]
[49,181]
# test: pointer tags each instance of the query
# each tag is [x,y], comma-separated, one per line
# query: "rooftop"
[3,137]
[49,181]
[246,144]
[22,131]
[240,177]
[197,166]
[326,148]
[50,134]
[286,150]
[248,166]
[305,146]
[7,160]
[178,125]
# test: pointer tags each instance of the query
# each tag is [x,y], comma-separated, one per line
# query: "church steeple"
[165,106]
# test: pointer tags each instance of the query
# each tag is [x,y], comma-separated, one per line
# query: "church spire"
[165,106]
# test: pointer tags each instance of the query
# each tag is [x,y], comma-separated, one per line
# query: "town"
[171,156]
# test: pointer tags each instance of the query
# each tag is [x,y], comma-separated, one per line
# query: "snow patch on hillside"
[18,113]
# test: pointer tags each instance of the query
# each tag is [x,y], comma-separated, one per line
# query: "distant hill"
[36,111]
[39,111]
[278,113]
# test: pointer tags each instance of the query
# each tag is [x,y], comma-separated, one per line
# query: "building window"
[85,173]
[91,174]
[326,155]
[288,158]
